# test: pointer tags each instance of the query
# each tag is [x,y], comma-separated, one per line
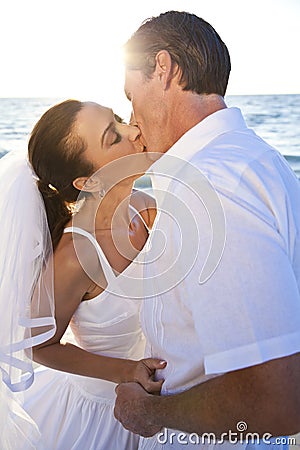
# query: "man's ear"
[164,67]
[86,184]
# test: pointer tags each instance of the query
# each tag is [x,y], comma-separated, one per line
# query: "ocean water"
[276,118]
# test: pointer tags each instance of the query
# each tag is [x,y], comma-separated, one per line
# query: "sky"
[72,48]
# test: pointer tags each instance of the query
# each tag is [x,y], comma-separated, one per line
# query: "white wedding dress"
[76,412]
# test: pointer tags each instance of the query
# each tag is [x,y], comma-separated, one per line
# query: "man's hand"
[266,396]
[133,409]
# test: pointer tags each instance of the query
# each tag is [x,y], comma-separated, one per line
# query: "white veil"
[26,293]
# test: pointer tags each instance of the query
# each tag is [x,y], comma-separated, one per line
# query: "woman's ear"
[86,184]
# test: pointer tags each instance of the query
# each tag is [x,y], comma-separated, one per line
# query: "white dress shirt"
[222,274]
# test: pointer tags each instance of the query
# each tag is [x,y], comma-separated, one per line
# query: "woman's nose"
[133,133]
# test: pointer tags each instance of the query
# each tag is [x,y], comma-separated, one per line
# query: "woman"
[81,148]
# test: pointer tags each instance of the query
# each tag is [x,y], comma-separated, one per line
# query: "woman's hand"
[143,372]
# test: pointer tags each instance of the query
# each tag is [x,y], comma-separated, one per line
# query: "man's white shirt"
[222,273]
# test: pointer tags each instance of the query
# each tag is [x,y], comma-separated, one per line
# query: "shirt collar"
[194,140]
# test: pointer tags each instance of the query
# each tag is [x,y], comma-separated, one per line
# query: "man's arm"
[265,396]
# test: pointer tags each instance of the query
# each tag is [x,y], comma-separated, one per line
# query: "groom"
[223,306]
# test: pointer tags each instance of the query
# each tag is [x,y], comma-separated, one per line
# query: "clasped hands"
[135,398]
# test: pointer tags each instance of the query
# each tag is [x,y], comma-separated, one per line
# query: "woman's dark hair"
[56,153]
[193,44]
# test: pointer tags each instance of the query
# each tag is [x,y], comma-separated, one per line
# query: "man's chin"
[152,156]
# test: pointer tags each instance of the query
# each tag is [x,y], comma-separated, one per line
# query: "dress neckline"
[109,272]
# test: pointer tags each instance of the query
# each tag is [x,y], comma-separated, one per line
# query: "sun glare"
[73,49]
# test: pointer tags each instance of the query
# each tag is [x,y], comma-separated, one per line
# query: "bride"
[74,195]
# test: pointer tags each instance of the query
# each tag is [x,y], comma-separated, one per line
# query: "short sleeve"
[248,309]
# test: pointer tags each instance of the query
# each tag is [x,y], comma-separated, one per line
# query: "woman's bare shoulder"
[145,204]
[76,257]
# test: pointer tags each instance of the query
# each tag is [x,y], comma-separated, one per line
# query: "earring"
[101,192]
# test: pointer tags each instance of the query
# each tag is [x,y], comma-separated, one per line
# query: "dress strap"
[107,269]
[140,216]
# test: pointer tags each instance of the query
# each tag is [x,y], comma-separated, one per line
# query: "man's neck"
[192,111]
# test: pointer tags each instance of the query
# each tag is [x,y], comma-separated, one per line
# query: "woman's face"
[113,148]
[107,139]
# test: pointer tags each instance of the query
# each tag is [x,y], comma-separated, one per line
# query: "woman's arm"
[71,283]
[145,204]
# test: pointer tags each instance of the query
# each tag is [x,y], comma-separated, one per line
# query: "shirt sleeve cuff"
[252,354]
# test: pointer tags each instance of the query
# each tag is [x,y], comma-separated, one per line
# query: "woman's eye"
[117,139]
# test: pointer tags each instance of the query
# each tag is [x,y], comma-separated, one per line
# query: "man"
[231,337]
